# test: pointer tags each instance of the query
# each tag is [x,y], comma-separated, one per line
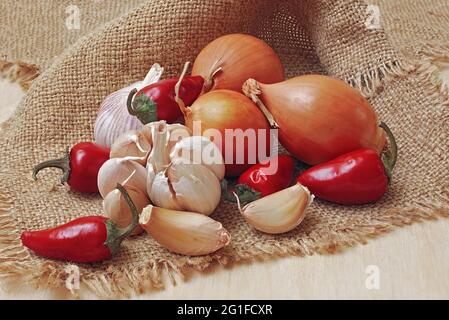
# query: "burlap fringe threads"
[370,82]
[20,72]
[432,59]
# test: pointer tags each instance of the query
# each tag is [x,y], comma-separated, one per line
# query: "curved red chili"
[157,101]
[358,177]
[80,166]
[87,239]
[260,180]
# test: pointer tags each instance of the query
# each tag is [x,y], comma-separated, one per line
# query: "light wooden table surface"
[409,263]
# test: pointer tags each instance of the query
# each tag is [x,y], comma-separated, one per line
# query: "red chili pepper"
[157,101]
[358,177]
[80,166]
[87,239]
[259,180]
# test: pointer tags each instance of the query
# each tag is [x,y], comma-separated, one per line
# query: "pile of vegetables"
[160,174]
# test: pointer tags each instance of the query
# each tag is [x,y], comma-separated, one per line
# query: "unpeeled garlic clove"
[117,209]
[183,232]
[161,193]
[196,188]
[132,143]
[279,212]
[177,132]
[118,170]
[199,150]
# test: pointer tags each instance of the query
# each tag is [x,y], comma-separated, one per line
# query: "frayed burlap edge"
[19,71]
[431,55]
[16,263]
[372,81]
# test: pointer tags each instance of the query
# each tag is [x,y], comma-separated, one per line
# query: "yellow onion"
[218,110]
[319,117]
[228,61]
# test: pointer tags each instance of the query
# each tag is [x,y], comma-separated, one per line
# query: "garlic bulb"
[183,180]
[117,209]
[199,149]
[113,118]
[158,159]
[131,143]
[125,171]
[184,232]
[279,212]
[191,187]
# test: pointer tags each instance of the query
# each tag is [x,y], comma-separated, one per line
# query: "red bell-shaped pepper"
[358,177]
[157,101]
[264,178]
[80,166]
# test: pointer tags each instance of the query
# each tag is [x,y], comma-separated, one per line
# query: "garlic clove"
[196,188]
[199,150]
[118,170]
[183,232]
[161,193]
[131,143]
[176,132]
[117,209]
[279,212]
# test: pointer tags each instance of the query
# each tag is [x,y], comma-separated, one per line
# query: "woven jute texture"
[329,37]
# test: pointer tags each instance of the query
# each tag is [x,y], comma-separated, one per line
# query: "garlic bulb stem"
[178,100]
[152,76]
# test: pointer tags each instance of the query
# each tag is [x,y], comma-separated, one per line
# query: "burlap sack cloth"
[328,37]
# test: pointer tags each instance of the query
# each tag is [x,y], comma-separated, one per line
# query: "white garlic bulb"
[184,179]
[113,117]
[199,150]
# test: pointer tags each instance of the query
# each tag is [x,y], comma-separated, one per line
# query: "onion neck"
[209,81]
[182,106]
[252,90]
[389,159]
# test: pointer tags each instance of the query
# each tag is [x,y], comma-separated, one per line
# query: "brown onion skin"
[241,56]
[321,117]
[226,109]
